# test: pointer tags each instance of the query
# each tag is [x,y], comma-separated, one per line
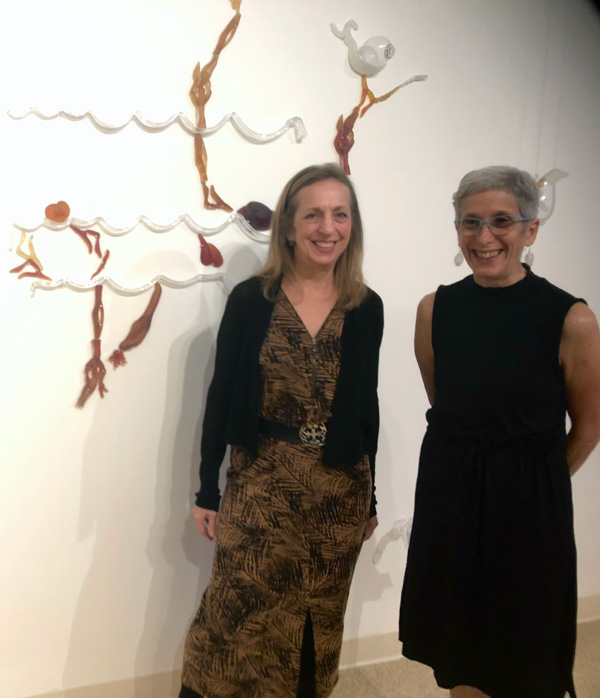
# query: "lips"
[324,245]
[480,254]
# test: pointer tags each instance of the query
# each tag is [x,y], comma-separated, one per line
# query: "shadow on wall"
[180,559]
[369,584]
[176,589]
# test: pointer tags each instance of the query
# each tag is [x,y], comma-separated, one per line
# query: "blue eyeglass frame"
[488,221]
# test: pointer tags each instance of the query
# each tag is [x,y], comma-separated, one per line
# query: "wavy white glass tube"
[136,290]
[295,123]
[152,226]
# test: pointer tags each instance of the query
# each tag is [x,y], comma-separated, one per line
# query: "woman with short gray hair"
[490,592]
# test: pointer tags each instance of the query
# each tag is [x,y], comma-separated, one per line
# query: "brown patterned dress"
[289,534]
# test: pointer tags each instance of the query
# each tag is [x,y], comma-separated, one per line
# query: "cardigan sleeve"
[213,443]
[371,412]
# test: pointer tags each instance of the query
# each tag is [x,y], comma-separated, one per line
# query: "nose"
[486,234]
[327,225]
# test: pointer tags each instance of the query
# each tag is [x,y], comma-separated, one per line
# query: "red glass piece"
[117,358]
[102,264]
[85,236]
[35,274]
[217,257]
[209,254]
[344,139]
[94,370]
[58,212]
[138,330]
[200,93]
[257,214]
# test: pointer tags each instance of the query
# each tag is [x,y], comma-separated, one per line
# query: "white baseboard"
[370,650]
[355,652]
[165,685]
[588,609]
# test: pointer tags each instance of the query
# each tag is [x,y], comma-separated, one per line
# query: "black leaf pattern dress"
[289,534]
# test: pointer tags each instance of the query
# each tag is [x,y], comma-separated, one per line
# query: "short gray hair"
[509,179]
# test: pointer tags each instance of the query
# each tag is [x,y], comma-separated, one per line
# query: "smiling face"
[322,225]
[495,259]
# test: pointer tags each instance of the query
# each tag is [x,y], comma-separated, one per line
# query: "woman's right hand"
[206,521]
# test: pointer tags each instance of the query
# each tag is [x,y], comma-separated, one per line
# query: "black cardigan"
[231,414]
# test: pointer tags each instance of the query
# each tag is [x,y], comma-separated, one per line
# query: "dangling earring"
[459,259]
[291,243]
[529,257]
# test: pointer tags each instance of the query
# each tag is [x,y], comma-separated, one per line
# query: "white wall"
[101,567]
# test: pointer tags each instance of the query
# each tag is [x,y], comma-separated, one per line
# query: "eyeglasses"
[498,225]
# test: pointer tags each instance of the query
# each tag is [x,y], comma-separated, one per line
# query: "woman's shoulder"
[369,314]
[444,292]
[249,288]
[425,307]
[372,299]
[371,307]
[457,287]
[246,299]
[553,292]
[248,292]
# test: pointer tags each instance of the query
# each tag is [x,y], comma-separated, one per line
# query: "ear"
[532,231]
[291,236]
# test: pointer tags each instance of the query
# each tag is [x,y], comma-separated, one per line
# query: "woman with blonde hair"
[295,394]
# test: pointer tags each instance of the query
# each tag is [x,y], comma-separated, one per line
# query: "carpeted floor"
[405,679]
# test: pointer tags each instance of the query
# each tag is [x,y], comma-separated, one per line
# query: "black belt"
[310,434]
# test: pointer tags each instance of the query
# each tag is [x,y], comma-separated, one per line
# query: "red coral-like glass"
[138,330]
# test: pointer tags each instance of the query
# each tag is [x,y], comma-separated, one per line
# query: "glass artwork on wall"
[294,124]
[253,219]
[57,218]
[257,215]
[95,370]
[200,93]
[547,186]
[31,261]
[138,330]
[121,290]
[367,61]
[209,254]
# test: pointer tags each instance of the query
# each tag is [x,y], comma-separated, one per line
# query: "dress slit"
[307,685]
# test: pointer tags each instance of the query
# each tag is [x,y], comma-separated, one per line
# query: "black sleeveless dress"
[490,594]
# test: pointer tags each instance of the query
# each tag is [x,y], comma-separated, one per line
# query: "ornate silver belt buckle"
[313,434]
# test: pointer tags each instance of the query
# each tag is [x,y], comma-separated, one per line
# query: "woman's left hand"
[371,526]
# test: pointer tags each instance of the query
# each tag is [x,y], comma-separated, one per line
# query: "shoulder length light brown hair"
[280,261]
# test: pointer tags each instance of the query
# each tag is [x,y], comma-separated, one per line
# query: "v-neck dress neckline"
[285,299]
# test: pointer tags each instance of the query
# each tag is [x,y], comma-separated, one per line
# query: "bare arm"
[423,346]
[580,359]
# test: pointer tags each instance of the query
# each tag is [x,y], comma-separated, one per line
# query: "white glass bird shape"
[372,57]
[546,184]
